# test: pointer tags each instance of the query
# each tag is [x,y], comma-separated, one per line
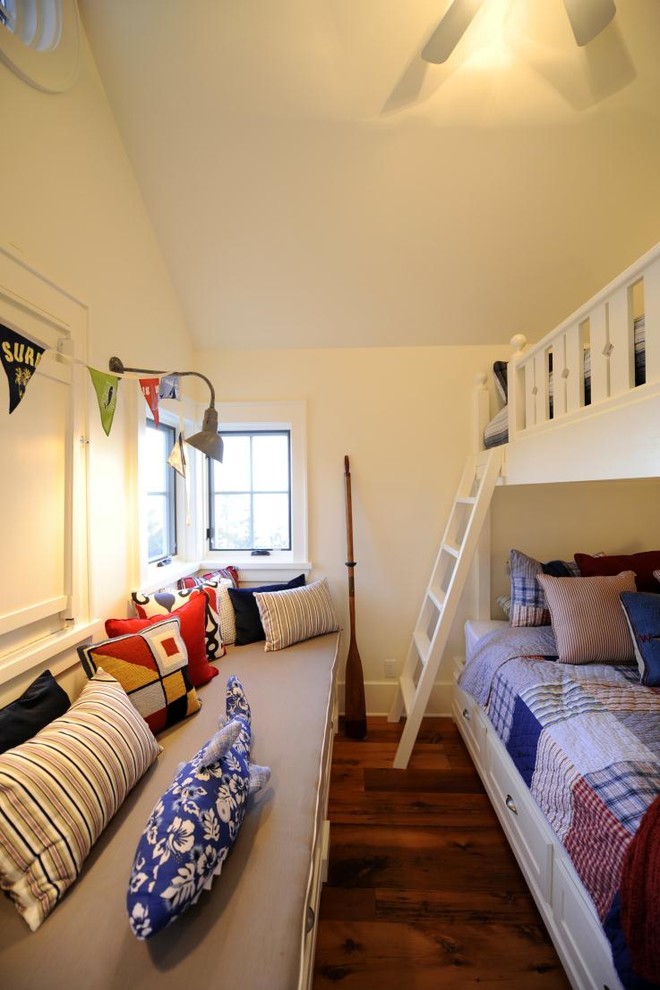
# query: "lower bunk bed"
[570,758]
[256,926]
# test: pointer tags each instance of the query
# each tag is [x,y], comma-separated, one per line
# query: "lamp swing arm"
[208,440]
[116,365]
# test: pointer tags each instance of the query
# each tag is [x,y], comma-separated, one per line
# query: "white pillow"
[295,614]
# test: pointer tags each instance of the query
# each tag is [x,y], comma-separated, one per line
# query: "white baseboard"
[379,696]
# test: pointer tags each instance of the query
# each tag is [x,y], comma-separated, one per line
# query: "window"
[250,492]
[161,492]
[256,500]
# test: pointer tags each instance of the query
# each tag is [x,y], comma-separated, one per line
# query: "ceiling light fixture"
[588,18]
[208,440]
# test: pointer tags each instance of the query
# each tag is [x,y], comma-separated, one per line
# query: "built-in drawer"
[584,942]
[471,723]
[528,834]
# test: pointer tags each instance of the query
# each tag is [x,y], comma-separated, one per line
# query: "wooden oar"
[355,719]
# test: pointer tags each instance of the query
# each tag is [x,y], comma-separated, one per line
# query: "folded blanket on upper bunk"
[585,740]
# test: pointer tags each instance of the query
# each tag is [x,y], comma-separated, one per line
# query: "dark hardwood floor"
[423,890]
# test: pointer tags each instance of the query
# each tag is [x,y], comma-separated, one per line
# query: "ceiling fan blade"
[589,17]
[450,30]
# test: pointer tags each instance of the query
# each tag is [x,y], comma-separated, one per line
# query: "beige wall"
[70,206]
[553,522]
[404,417]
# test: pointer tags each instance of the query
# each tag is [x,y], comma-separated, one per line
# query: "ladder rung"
[422,645]
[454,551]
[466,499]
[407,693]
[437,597]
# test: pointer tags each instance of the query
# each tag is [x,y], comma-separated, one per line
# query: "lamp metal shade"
[208,440]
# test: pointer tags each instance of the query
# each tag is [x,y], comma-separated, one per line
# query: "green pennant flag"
[106,387]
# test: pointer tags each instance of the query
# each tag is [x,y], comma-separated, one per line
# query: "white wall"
[404,417]
[69,204]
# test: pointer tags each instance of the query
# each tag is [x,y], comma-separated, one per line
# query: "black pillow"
[40,703]
[248,621]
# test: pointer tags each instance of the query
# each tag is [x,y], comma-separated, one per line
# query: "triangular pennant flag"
[20,357]
[177,458]
[149,388]
[106,387]
[169,387]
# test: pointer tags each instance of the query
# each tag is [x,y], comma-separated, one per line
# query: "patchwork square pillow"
[587,619]
[222,573]
[642,611]
[296,614]
[192,620]
[152,667]
[59,790]
[528,604]
[40,703]
[248,622]
[169,600]
[643,564]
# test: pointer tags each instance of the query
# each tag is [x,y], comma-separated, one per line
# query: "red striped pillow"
[587,618]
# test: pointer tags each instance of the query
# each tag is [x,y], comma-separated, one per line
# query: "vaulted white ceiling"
[313,183]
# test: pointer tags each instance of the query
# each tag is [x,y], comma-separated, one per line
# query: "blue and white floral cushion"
[195,823]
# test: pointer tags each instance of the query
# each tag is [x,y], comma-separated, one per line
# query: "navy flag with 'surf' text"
[20,357]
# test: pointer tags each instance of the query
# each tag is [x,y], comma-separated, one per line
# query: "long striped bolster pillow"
[60,789]
[587,618]
[295,614]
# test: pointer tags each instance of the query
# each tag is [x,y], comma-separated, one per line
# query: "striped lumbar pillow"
[295,614]
[59,790]
[587,619]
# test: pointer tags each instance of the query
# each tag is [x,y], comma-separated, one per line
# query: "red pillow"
[192,620]
[643,564]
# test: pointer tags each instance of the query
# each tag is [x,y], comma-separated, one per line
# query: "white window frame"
[280,564]
[151,577]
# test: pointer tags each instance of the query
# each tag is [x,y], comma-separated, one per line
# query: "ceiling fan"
[588,18]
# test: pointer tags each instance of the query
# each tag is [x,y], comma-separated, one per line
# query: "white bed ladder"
[443,593]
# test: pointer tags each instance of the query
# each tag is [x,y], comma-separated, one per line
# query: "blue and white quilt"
[585,739]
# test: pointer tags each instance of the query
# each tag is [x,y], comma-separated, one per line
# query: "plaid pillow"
[528,604]
[197,580]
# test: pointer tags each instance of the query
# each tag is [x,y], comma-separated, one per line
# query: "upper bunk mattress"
[248,930]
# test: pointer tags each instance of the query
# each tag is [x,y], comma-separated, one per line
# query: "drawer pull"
[511,804]
[466,714]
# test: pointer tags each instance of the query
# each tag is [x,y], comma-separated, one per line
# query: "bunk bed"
[582,404]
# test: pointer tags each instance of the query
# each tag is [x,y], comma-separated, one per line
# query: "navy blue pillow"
[42,702]
[642,610]
[248,621]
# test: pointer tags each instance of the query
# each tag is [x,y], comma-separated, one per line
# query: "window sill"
[258,570]
[157,578]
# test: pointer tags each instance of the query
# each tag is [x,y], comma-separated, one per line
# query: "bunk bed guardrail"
[604,356]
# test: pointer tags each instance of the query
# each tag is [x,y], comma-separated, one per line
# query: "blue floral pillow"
[195,823]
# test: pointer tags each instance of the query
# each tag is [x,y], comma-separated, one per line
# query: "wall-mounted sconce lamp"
[208,440]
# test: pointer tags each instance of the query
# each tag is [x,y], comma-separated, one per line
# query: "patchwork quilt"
[586,741]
